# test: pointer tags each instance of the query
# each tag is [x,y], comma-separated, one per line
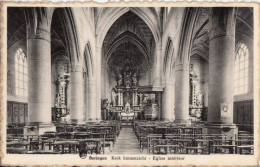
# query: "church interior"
[130,80]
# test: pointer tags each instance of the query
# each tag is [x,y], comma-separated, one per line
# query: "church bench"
[245,149]
[65,135]
[224,149]
[15,130]
[144,141]
[65,146]
[91,146]
[245,146]
[195,149]
[18,144]
[223,146]
[47,142]
[81,135]
[42,152]
[49,134]
[165,149]
[100,136]
[177,146]
[162,146]
[16,150]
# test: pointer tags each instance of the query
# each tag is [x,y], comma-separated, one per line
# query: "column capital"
[77,68]
[158,45]
[91,81]
[222,22]
[181,67]
[38,21]
[98,47]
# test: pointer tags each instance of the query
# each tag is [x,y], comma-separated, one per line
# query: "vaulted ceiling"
[16,25]
[58,33]
[128,30]
[200,43]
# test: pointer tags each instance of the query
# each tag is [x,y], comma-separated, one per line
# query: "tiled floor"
[126,142]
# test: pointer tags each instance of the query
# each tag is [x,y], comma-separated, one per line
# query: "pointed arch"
[128,36]
[71,36]
[112,14]
[184,47]
[169,59]
[88,60]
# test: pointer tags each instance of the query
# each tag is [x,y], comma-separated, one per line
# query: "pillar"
[182,93]
[91,100]
[39,75]
[168,101]
[77,97]
[221,60]
[157,65]
[98,82]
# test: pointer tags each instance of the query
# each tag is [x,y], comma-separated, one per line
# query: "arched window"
[241,69]
[21,72]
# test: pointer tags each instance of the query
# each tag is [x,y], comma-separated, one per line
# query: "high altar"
[125,96]
[130,101]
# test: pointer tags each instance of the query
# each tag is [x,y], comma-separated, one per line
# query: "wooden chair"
[65,146]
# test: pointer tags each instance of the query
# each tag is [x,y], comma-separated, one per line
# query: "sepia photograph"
[130,83]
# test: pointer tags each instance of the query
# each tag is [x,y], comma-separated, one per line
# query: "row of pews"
[83,139]
[157,137]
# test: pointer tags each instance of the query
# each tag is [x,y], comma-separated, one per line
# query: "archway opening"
[127,60]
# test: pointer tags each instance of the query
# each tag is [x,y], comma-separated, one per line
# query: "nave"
[96,80]
[143,137]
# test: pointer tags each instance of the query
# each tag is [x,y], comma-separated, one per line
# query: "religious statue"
[134,79]
[114,97]
[127,79]
[127,108]
[120,80]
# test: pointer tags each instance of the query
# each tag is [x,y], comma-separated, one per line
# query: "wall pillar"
[182,93]
[39,76]
[157,66]
[91,100]
[168,101]
[77,97]
[221,60]
[98,82]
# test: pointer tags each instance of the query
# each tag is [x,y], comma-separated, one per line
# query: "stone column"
[157,66]
[168,101]
[98,81]
[39,73]
[77,97]
[221,60]
[91,100]
[182,93]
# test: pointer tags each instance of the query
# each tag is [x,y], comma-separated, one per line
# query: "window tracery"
[21,73]
[241,69]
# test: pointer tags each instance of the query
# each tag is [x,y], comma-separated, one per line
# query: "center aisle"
[126,143]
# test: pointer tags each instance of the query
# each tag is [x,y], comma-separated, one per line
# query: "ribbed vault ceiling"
[129,42]
[200,44]
[16,25]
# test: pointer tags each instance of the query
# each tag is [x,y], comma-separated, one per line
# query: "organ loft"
[76,75]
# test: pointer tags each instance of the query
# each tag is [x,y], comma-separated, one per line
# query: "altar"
[130,101]
[125,96]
